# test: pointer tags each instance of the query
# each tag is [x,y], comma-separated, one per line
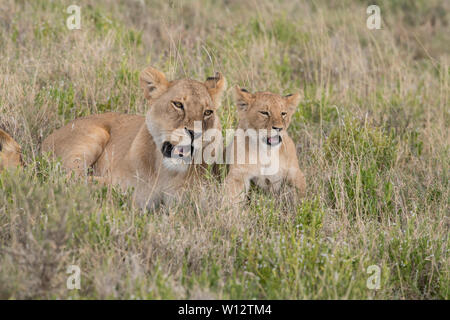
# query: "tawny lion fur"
[10,154]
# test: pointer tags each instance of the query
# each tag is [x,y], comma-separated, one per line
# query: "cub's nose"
[277,129]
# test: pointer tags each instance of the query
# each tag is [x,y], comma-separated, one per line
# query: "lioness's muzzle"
[180,151]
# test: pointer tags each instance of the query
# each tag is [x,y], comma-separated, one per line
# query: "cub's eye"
[207,113]
[178,105]
[264,113]
[283,114]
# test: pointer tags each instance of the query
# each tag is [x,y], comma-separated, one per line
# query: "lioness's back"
[82,141]
[110,123]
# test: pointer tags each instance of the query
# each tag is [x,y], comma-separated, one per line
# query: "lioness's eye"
[207,113]
[178,104]
[283,114]
[265,113]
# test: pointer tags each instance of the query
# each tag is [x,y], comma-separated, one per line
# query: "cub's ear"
[292,101]
[153,83]
[242,97]
[216,87]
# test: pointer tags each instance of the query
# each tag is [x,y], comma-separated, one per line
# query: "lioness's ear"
[242,97]
[153,82]
[292,101]
[216,87]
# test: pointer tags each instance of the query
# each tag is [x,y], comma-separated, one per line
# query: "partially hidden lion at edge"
[10,154]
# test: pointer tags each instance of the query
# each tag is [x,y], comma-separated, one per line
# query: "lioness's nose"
[278,129]
[193,134]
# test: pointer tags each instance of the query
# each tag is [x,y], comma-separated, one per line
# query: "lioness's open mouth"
[273,141]
[178,152]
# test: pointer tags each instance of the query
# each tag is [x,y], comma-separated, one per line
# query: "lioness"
[153,154]
[10,156]
[269,115]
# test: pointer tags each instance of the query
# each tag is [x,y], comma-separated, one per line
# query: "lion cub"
[152,154]
[263,119]
[10,156]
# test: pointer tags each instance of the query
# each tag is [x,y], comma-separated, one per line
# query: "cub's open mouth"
[178,152]
[273,141]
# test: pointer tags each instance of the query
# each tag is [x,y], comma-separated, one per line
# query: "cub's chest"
[271,181]
[270,174]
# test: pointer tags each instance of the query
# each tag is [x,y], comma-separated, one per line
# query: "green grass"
[371,134]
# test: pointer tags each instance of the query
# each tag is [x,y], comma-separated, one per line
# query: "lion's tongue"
[273,140]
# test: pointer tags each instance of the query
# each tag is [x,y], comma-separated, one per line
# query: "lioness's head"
[9,152]
[179,112]
[266,111]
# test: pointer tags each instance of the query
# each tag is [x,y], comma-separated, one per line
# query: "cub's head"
[180,111]
[9,152]
[265,111]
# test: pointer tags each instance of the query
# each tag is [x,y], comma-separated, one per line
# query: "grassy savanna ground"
[372,134]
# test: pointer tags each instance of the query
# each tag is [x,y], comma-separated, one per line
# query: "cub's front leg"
[236,186]
[296,178]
